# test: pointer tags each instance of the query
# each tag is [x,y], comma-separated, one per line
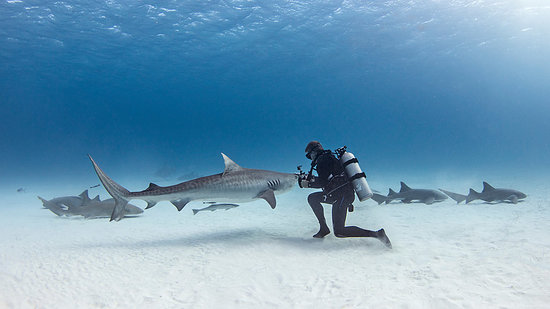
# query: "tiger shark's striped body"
[235,184]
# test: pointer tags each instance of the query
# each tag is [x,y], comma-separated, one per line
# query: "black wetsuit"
[336,191]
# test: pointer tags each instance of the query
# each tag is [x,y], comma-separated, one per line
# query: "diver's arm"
[324,169]
[315,182]
[310,181]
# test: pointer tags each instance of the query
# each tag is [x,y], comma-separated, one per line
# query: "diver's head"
[313,149]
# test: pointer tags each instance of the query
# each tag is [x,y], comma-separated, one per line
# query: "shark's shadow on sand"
[246,238]
[75,218]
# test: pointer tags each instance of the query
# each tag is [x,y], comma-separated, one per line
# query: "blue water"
[156,90]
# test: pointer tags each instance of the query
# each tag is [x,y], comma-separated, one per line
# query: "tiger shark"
[82,205]
[489,194]
[235,184]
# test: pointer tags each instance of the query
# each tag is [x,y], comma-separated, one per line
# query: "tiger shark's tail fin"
[118,192]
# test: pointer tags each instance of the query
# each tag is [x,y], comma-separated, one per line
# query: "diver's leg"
[339,213]
[314,200]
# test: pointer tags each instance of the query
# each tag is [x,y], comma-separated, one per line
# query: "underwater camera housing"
[354,173]
[301,174]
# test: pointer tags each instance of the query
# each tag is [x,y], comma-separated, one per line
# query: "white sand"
[444,256]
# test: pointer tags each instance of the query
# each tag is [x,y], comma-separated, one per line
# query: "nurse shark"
[408,195]
[489,194]
[82,205]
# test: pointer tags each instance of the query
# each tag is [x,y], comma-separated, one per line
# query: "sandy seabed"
[444,256]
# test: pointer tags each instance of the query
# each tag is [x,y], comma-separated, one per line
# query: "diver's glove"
[303,183]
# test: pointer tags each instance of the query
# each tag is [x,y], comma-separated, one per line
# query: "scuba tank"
[354,173]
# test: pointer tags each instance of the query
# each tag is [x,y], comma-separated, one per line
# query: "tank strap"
[357,176]
[354,160]
[335,189]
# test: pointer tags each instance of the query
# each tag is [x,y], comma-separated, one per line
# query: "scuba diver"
[338,190]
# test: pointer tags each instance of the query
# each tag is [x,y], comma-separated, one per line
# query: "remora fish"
[407,195]
[235,184]
[82,205]
[490,194]
[215,207]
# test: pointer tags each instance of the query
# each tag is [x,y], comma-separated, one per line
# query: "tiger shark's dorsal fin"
[84,196]
[404,188]
[487,187]
[96,199]
[230,166]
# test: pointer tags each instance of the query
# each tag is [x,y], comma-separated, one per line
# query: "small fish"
[21,190]
[215,207]
[94,186]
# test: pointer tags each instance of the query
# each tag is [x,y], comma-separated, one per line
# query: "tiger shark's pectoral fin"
[513,198]
[179,203]
[269,196]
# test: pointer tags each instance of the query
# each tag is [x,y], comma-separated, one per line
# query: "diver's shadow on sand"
[253,237]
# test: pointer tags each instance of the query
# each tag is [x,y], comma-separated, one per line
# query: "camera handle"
[302,175]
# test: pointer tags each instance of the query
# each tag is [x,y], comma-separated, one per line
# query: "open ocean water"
[156,90]
[436,93]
